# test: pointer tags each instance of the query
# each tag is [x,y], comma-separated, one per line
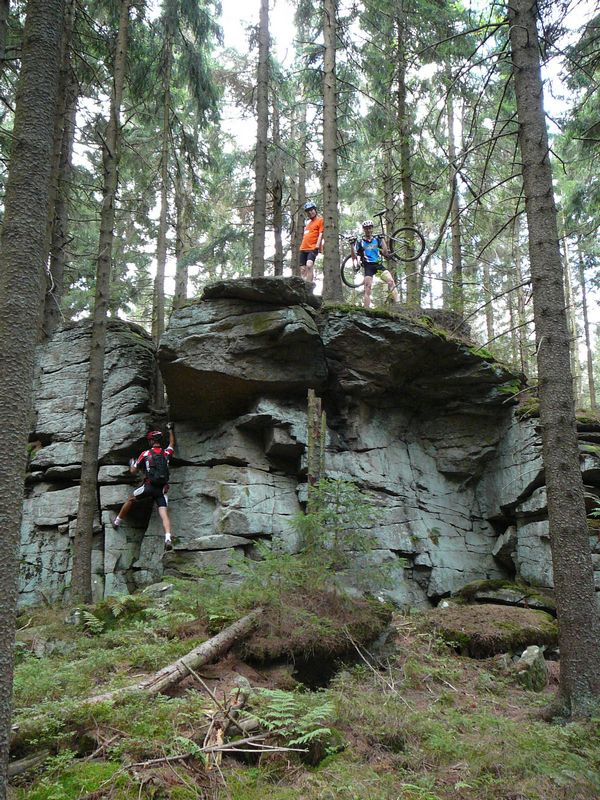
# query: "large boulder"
[219,355]
[52,491]
[403,362]
[417,417]
[60,391]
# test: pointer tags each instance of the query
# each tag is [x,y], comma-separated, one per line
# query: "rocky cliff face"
[416,417]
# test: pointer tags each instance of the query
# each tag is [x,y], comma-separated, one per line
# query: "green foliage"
[296,719]
[69,780]
[92,623]
[337,530]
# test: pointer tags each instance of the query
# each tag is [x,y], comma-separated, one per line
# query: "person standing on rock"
[371,249]
[155,464]
[312,242]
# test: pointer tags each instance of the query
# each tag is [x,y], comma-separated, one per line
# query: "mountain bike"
[405,245]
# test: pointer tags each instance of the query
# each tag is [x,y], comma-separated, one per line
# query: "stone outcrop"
[52,492]
[418,418]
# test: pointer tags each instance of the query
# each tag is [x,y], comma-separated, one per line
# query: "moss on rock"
[481,631]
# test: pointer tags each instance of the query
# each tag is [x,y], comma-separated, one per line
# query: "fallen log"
[25,764]
[166,677]
[173,673]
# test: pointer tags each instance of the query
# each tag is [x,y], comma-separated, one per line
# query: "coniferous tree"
[22,249]
[81,578]
[579,636]
[187,36]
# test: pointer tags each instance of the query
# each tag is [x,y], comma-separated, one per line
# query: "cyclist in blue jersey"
[371,249]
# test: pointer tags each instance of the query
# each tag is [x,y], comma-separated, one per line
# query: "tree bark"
[332,281]
[579,636]
[262,130]
[81,579]
[22,282]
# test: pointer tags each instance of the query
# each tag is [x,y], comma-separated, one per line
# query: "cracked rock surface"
[416,418]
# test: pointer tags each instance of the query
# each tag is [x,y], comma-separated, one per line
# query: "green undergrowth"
[421,723]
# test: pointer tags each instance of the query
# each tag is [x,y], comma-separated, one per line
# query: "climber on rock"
[155,464]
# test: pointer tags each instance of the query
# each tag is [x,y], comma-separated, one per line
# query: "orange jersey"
[312,230]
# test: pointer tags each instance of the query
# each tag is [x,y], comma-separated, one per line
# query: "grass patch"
[422,724]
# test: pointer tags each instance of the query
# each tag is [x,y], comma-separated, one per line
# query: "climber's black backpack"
[157,468]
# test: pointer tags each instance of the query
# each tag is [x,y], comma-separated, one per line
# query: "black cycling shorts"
[371,268]
[148,492]
[308,255]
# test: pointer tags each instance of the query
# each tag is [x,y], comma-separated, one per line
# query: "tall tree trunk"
[277,192]
[445,279]
[579,636]
[586,328]
[413,278]
[22,280]
[158,300]
[523,338]
[299,127]
[487,294]
[387,181]
[514,326]
[262,130]
[458,298]
[332,281]
[60,202]
[182,207]
[81,580]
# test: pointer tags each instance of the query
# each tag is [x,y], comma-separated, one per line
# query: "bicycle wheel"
[352,275]
[407,244]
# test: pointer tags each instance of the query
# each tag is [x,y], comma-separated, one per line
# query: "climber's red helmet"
[154,436]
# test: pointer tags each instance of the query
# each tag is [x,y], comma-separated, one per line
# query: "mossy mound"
[481,631]
[316,625]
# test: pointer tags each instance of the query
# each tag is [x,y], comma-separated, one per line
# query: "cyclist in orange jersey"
[312,242]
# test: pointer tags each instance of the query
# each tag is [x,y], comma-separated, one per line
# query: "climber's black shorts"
[372,268]
[308,255]
[148,492]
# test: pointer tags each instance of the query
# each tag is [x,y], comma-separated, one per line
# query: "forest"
[142,159]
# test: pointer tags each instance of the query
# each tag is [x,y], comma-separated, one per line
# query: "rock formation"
[417,417]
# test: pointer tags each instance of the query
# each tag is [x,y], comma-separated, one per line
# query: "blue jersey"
[369,250]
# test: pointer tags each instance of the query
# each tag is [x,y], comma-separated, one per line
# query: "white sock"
[167,537]
[117,520]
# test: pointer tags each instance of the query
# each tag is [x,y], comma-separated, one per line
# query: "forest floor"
[406,720]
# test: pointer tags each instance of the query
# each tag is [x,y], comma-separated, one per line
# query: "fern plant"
[296,719]
[91,623]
